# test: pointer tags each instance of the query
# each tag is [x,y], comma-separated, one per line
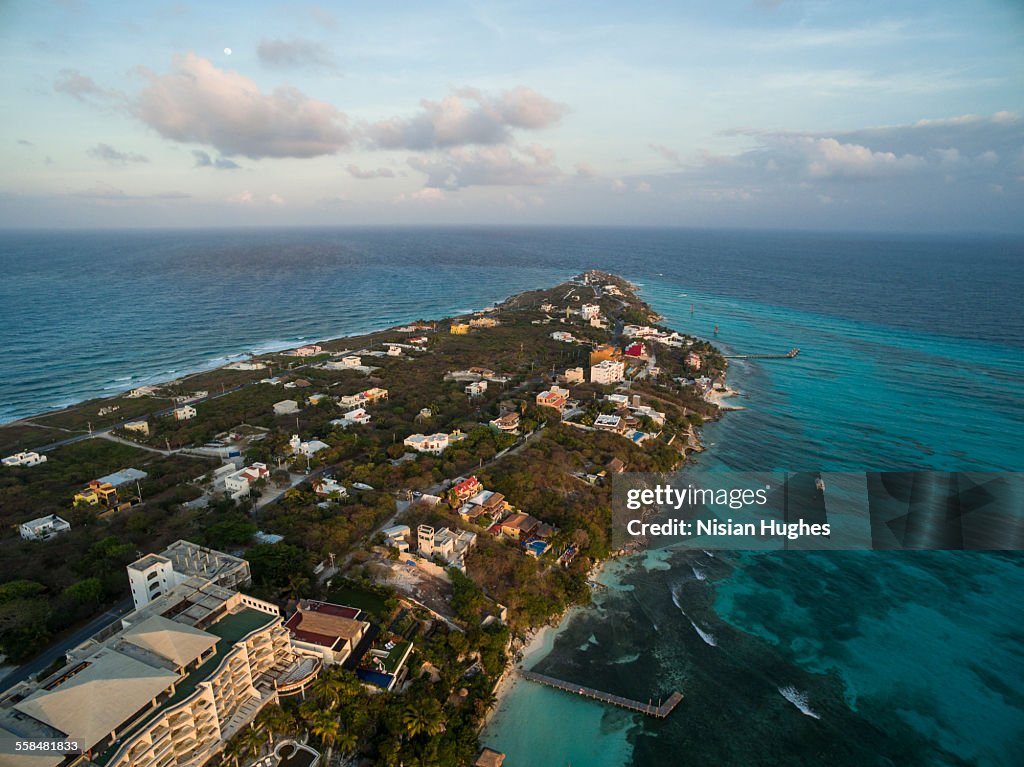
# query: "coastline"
[717,397]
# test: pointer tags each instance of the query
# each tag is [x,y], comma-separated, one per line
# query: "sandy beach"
[718,396]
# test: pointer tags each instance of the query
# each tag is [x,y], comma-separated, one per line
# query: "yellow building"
[142,427]
[97,492]
[459,328]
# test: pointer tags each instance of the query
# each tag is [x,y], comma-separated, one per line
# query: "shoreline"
[538,641]
[717,398]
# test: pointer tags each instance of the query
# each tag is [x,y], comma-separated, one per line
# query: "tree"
[327,728]
[274,720]
[250,742]
[424,718]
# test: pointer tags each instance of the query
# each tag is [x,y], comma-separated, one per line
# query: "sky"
[877,116]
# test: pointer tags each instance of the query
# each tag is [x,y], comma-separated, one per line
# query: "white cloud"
[487,166]
[197,102]
[466,117]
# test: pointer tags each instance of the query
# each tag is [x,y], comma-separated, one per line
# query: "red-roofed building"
[467,489]
[636,350]
[326,630]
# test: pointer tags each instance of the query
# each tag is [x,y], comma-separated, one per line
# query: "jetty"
[787,356]
[662,710]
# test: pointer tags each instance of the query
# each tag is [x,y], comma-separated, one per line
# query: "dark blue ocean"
[912,357]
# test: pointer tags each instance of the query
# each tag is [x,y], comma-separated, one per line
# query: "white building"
[286,407]
[358,416]
[246,365]
[573,375]
[156,574]
[43,528]
[238,483]
[449,545]
[24,459]
[352,361]
[608,422]
[428,443]
[607,372]
[589,311]
[328,486]
[476,389]
[310,350]
[561,335]
[394,350]
[184,413]
[307,449]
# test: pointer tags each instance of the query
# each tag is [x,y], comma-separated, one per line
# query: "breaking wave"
[798,699]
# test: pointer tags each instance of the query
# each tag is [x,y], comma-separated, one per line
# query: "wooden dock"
[662,710]
[787,356]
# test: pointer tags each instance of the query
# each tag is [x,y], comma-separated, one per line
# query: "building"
[246,365]
[96,493]
[286,407]
[476,389]
[459,329]
[394,350]
[239,483]
[589,311]
[359,416]
[30,458]
[609,423]
[179,678]
[693,361]
[43,528]
[398,537]
[518,526]
[615,466]
[483,322]
[466,489]
[488,757]
[154,575]
[310,350]
[602,353]
[506,424]
[573,376]
[363,398]
[485,505]
[445,543]
[331,632]
[139,427]
[328,486]
[308,449]
[636,349]
[352,361]
[184,413]
[123,477]
[142,391]
[607,372]
[427,443]
[554,397]
[561,335]
[418,340]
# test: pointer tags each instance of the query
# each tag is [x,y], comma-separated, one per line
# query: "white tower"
[150,577]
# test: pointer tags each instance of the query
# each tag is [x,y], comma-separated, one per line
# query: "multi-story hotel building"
[168,685]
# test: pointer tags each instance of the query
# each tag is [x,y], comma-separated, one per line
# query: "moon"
[227,51]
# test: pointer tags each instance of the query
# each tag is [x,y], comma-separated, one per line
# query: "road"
[46,658]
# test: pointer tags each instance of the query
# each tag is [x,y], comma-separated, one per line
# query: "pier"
[787,356]
[662,710]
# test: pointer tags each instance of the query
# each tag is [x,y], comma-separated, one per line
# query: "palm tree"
[426,718]
[327,688]
[250,742]
[274,720]
[327,728]
[347,742]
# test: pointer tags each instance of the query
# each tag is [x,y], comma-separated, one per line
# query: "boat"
[819,483]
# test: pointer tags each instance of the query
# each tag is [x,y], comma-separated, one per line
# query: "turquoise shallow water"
[793,658]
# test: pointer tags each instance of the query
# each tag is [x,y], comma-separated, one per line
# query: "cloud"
[487,166]
[585,170]
[112,156]
[467,117]
[669,154]
[294,54]
[25,142]
[356,172]
[429,194]
[247,198]
[197,102]
[73,83]
[204,160]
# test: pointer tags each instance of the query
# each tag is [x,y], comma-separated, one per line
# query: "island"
[374,526]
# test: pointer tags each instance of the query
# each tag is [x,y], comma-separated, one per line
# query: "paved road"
[46,658]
